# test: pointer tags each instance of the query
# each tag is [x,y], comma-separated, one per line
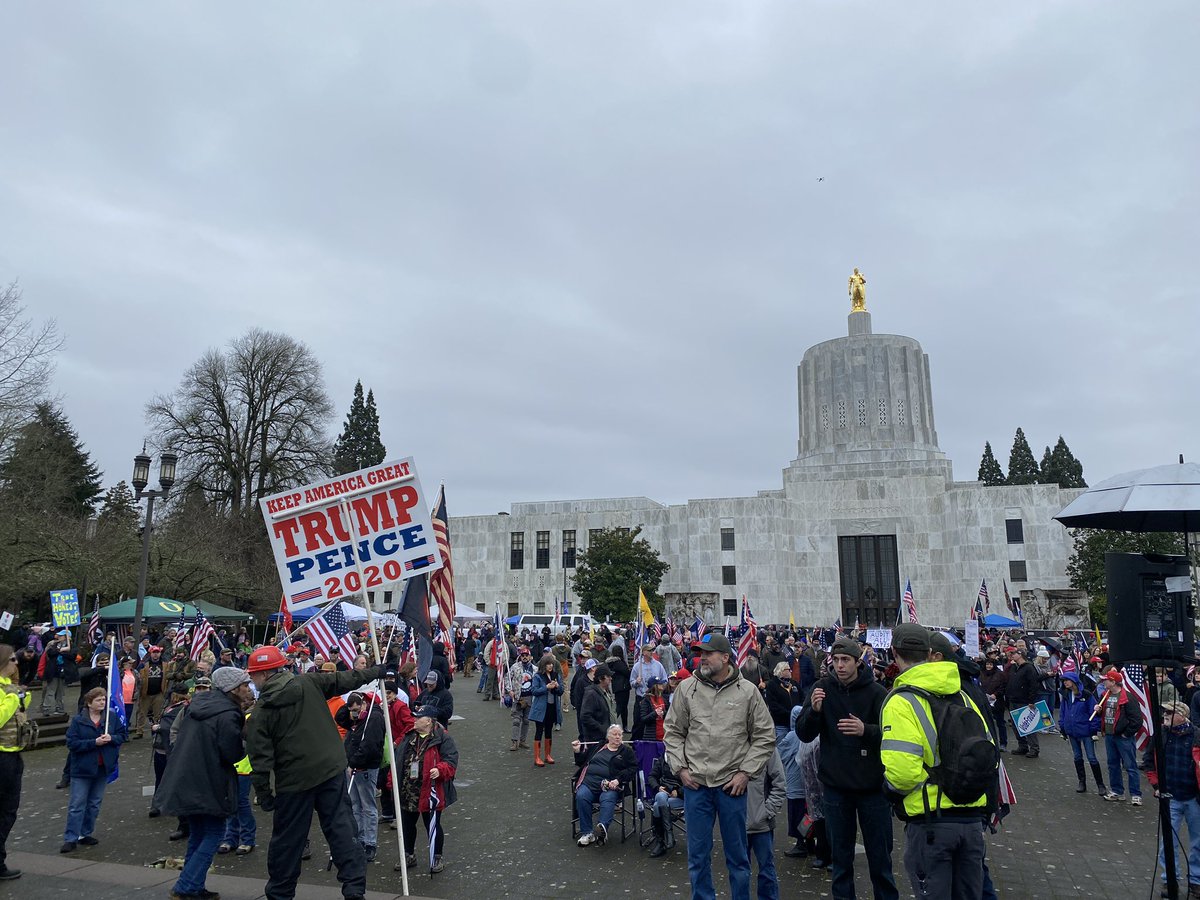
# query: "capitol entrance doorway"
[870,579]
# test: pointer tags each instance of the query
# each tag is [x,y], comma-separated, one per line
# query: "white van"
[539,621]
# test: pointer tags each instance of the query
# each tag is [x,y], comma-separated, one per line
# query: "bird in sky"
[820,180]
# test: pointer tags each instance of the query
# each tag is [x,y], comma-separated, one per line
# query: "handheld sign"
[64,607]
[1028,721]
[318,547]
[6,620]
[879,638]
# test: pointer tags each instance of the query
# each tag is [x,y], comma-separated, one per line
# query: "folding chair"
[624,812]
[647,752]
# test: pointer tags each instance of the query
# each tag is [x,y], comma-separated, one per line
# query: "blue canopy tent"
[995,620]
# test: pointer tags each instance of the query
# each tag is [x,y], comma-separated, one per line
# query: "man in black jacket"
[440,664]
[364,755]
[1024,688]
[200,782]
[596,713]
[843,710]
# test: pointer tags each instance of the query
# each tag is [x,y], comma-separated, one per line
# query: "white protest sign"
[971,639]
[879,638]
[388,529]
[6,620]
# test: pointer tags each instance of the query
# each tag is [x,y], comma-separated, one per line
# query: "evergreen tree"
[359,445]
[1046,472]
[48,470]
[375,451]
[990,472]
[1067,470]
[118,508]
[1022,467]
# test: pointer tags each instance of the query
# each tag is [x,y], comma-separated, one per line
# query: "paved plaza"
[509,836]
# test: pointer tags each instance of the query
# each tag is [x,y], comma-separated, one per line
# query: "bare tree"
[26,360]
[247,421]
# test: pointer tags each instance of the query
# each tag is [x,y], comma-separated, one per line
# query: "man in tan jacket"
[718,735]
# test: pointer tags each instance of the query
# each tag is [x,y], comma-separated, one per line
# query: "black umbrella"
[1162,498]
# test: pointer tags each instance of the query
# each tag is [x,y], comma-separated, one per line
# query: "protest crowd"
[676,732]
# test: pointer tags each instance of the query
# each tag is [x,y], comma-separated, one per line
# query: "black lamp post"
[141,478]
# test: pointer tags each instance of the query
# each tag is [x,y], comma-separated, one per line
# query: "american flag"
[910,604]
[1004,801]
[408,648]
[441,582]
[200,635]
[977,609]
[94,632]
[748,638]
[670,622]
[558,610]
[1135,683]
[330,629]
[1016,607]
[499,649]
[657,629]
[699,626]
[181,629]
[983,595]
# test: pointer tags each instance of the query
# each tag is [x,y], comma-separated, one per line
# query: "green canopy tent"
[161,610]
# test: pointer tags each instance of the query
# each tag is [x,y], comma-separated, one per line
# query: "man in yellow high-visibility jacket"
[944,846]
[12,767]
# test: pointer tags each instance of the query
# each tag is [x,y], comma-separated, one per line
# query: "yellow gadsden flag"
[644,612]
[792,621]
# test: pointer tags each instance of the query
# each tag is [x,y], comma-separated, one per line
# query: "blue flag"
[116,706]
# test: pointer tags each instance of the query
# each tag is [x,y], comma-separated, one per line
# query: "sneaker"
[601,833]
[88,841]
[1114,796]
[437,866]
[1136,799]
[224,847]
[587,840]
[243,849]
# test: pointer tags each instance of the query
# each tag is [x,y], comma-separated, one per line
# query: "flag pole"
[387,719]
[112,661]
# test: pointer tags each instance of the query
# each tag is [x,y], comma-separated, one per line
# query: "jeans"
[664,802]
[944,859]
[584,798]
[52,696]
[483,671]
[203,838]
[762,845]
[845,813]
[1081,745]
[1120,753]
[240,828]
[701,807]
[520,718]
[84,805]
[362,801]
[1182,810]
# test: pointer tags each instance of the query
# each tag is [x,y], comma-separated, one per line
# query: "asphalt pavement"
[510,835]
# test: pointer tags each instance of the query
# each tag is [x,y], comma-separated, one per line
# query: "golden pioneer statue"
[858,292]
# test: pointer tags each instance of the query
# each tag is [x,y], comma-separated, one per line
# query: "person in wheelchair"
[606,778]
[667,791]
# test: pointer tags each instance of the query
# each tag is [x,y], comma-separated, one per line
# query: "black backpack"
[969,758]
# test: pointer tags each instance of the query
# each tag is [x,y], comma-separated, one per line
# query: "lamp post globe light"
[141,478]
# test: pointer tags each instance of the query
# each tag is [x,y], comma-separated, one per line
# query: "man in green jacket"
[291,736]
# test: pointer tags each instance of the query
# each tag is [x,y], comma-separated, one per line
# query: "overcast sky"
[578,249]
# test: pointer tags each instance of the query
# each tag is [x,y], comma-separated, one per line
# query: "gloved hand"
[266,801]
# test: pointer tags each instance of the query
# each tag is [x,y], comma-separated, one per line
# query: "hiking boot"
[437,866]
[513,747]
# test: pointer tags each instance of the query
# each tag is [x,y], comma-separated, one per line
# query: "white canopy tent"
[461,613]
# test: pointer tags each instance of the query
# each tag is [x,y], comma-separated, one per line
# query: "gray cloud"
[578,250]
